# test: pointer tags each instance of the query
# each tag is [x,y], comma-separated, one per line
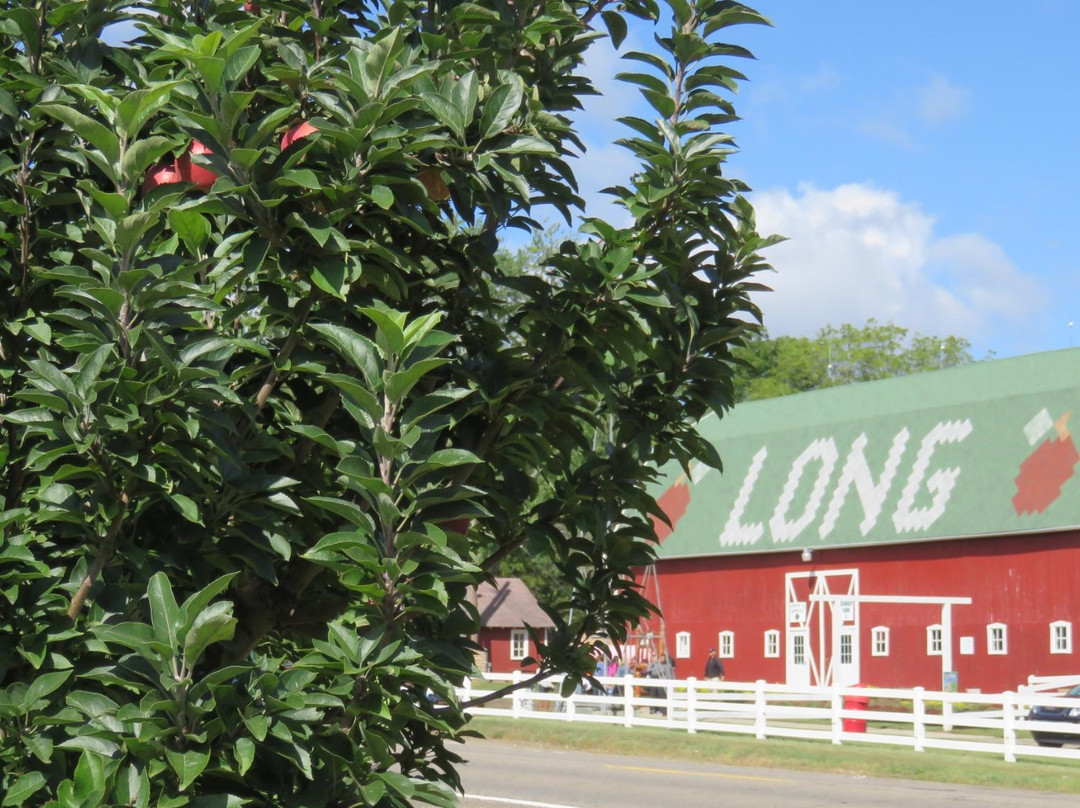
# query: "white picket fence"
[994,723]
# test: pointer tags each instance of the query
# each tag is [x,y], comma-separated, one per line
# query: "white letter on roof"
[824,451]
[908,518]
[734,531]
[857,472]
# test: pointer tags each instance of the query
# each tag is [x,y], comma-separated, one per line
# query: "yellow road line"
[696,774]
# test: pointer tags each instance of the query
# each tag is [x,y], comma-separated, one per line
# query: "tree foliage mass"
[771,367]
[267,417]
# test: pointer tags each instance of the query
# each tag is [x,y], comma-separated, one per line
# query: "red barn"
[507,610]
[923,530]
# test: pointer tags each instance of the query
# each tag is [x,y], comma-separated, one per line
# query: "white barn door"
[822,638]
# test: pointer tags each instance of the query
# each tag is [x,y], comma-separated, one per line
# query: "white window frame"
[519,644]
[682,645]
[879,641]
[1061,641]
[934,640]
[798,649]
[847,647]
[772,644]
[726,645]
[997,639]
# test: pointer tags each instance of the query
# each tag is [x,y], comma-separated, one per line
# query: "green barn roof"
[980,450]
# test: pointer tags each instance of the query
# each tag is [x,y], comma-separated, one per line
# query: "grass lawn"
[871,760]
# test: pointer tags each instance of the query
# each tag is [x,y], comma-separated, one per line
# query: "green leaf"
[382,196]
[357,350]
[616,26]
[390,334]
[94,132]
[139,637]
[300,178]
[452,457]
[190,226]
[329,273]
[23,788]
[137,107]
[244,749]
[186,506]
[165,615]
[214,624]
[446,111]
[340,507]
[500,108]
[187,765]
[44,684]
[525,144]
[194,605]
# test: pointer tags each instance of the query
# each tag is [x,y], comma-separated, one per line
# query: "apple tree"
[269,408]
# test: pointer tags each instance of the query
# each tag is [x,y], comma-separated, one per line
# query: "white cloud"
[910,114]
[858,251]
[940,100]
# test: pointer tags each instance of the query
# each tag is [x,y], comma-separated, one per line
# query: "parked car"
[1061,714]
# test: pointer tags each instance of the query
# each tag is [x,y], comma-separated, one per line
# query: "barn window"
[519,643]
[798,649]
[933,640]
[682,645]
[997,639]
[846,654]
[879,641]
[1061,637]
[772,643]
[727,644]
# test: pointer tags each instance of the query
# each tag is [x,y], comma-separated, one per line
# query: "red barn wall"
[1025,582]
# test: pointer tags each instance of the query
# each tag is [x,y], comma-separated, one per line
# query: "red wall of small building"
[1025,582]
[496,641]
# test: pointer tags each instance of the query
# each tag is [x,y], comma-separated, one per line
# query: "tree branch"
[502,692]
[104,553]
[286,350]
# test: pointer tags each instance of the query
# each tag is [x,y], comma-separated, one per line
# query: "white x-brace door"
[822,638]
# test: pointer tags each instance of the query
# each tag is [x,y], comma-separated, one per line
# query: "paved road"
[503,776]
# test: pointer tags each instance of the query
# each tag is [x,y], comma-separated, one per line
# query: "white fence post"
[691,705]
[1008,704]
[466,689]
[628,700]
[571,707]
[836,706]
[918,707]
[670,710]
[515,697]
[946,713]
[759,709]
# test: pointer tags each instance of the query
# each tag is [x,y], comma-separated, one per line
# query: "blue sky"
[921,156]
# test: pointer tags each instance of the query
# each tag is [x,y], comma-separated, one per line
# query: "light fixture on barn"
[808,558]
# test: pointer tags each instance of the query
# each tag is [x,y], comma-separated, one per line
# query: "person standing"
[714,667]
[661,668]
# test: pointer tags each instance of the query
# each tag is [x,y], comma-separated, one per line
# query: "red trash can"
[856,702]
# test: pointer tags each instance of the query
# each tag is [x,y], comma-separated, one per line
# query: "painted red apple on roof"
[1048,468]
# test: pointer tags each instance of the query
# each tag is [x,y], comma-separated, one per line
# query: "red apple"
[254,8]
[202,178]
[298,132]
[460,526]
[163,174]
